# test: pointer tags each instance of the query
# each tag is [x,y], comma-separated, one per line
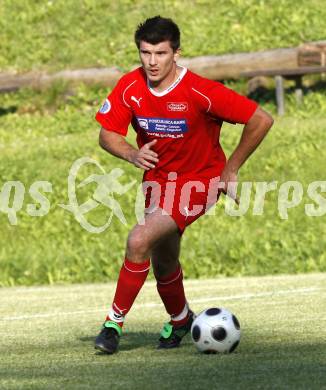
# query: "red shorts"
[184,200]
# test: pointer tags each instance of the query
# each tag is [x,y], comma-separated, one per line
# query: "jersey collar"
[172,86]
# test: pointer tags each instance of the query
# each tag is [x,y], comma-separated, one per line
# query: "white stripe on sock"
[182,315]
[114,316]
[130,270]
[170,281]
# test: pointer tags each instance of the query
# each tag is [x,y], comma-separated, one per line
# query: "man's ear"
[177,54]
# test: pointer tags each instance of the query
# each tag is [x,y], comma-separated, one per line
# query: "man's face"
[158,60]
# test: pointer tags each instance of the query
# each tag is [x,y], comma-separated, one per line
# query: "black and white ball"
[216,330]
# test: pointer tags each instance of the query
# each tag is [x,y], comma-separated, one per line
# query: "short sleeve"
[229,105]
[115,115]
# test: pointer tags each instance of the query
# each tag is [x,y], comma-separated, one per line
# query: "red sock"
[131,279]
[172,294]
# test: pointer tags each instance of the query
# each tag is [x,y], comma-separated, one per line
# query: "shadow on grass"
[264,95]
[7,110]
[130,340]
[258,363]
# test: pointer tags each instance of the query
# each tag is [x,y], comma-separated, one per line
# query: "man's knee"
[137,246]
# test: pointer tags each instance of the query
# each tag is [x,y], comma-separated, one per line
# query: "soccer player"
[177,116]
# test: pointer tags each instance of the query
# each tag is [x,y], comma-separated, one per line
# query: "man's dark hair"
[157,29]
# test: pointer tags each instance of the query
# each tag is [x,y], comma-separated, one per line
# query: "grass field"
[47,337]
[42,132]
[59,34]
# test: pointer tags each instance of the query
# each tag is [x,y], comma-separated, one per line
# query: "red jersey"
[185,119]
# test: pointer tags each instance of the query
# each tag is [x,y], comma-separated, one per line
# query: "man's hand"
[116,144]
[230,179]
[145,157]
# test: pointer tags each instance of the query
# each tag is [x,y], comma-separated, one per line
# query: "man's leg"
[165,255]
[168,274]
[169,277]
[133,273]
[135,268]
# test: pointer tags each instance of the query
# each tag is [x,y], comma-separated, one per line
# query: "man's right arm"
[116,144]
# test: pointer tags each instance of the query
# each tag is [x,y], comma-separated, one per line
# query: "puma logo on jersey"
[136,100]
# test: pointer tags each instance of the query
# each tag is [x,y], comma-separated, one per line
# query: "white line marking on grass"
[154,304]
[189,283]
[259,295]
[245,296]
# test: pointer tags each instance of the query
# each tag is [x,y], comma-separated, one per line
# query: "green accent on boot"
[167,330]
[114,325]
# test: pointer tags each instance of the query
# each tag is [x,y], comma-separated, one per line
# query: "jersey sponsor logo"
[163,125]
[177,106]
[106,107]
[143,123]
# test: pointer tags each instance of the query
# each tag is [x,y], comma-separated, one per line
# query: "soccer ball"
[216,330]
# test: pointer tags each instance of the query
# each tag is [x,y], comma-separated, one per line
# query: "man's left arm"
[252,135]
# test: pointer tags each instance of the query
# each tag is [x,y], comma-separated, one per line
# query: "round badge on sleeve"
[106,107]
